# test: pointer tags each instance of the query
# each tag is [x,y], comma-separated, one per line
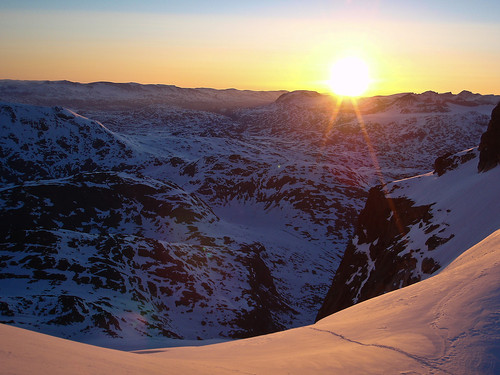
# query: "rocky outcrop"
[379,258]
[398,242]
[450,161]
[372,263]
[489,147]
[263,297]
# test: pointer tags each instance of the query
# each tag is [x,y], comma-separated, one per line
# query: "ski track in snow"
[431,364]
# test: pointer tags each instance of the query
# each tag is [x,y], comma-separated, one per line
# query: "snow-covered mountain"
[98,247]
[411,228]
[112,96]
[447,324]
[43,142]
[248,210]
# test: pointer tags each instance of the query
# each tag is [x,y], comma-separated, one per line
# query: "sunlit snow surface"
[447,324]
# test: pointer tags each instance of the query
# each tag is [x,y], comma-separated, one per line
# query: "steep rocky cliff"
[489,147]
[406,230]
[372,264]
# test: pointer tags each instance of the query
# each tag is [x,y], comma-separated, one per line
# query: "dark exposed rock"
[264,297]
[489,147]
[107,322]
[429,266]
[118,200]
[451,161]
[434,241]
[5,310]
[372,264]
[70,309]
[190,169]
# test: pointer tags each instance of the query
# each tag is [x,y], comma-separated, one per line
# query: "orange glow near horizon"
[245,52]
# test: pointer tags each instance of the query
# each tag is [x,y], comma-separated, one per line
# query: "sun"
[349,76]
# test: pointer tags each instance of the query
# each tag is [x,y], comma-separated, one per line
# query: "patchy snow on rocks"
[447,324]
[247,199]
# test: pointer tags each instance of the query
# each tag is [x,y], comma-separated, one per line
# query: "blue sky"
[473,11]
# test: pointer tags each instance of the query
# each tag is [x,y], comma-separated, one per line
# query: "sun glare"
[349,76]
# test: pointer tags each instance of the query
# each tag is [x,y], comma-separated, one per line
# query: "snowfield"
[447,324]
[147,220]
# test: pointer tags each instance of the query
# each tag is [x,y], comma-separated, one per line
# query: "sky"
[409,46]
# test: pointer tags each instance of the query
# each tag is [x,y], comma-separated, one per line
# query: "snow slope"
[42,142]
[411,228]
[447,324]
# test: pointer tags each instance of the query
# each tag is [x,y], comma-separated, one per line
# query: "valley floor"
[447,324]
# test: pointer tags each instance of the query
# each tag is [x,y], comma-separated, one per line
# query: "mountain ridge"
[267,195]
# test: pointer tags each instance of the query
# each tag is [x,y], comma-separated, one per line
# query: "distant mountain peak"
[465,93]
[303,98]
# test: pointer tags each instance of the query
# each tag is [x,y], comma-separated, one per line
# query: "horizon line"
[237,89]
